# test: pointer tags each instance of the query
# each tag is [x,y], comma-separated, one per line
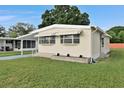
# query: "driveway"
[14,57]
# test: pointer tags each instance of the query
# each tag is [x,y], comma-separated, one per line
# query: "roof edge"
[103,31]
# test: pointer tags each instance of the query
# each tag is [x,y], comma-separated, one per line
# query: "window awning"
[68,33]
[58,33]
[46,34]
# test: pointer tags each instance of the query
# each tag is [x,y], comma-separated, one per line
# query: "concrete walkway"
[14,57]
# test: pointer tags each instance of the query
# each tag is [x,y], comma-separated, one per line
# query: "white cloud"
[6,18]
[15,12]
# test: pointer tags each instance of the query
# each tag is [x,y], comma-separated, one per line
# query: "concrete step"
[63,58]
[71,59]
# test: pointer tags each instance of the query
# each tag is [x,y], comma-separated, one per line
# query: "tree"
[20,29]
[113,36]
[121,36]
[12,34]
[117,34]
[2,31]
[64,14]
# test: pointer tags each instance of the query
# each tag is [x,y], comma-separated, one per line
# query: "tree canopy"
[20,29]
[117,34]
[2,31]
[64,14]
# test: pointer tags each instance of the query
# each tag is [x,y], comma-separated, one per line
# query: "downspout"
[91,47]
[100,44]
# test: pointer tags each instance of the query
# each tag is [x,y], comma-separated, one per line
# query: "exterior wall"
[96,45]
[106,47]
[83,48]
[97,49]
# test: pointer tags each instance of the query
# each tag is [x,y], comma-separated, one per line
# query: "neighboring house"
[66,40]
[26,43]
[6,44]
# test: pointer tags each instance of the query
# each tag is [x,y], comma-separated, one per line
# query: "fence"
[117,45]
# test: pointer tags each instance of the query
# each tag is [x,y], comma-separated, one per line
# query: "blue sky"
[103,16]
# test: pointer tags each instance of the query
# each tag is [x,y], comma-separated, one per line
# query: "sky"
[103,16]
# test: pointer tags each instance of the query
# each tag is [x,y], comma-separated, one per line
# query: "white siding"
[95,44]
[106,48]
[83,48]
[97,49]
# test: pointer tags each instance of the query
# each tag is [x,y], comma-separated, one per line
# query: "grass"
[43,72]
[12,53]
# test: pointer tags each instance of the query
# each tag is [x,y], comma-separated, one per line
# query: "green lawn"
[12,53]
[43,72]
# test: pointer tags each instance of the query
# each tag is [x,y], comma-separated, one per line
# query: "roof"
[60,26]
[96,28]
[103,32]
[7,38]
[56,26]
[24,35]
[63,26]
[57,32]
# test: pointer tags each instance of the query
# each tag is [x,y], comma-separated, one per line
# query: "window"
[24,44]
[52,40]
[102,40]
[61,39]
[33,44]
[70,39]
[44,40]
[67,40]
[76,38]
[47,40]
[8,41]
[17,44]
[28,44]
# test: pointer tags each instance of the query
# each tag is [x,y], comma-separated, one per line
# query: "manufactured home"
[64,42]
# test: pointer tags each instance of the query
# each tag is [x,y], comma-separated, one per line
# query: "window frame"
[29,44]
[18,44]
[102,42]
[45,40]
[76,38]
[71,38]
